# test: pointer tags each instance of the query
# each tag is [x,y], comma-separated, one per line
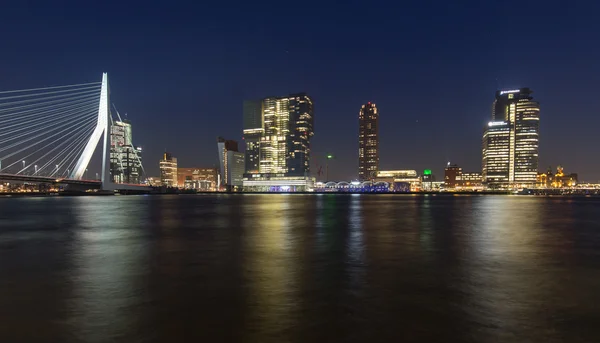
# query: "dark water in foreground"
[300,268]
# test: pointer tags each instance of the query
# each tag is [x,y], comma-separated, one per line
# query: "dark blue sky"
[181,71]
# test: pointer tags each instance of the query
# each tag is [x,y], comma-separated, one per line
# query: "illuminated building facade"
[253,131]
[452,175]
[353,187]
[168,170]
[427,180]
[286,133]
[125,158]
[400,180]
[273,143]
[231,163]
[201,179]
[496,154]
[277,131]
[301,123]
[471,179]
[456,179]
[558,180]
[153,181]
[274,183]
[368,142]
[511,141]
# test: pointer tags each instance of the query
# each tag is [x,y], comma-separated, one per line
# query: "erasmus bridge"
[50,135]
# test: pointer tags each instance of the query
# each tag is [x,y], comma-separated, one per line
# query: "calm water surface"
[300,268]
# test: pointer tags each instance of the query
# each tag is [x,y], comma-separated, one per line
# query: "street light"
[35,168]
[329,157]
[86,174]
[23,165]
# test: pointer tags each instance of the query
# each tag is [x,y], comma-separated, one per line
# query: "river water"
[300,268]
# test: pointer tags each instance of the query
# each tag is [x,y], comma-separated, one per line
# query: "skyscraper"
[278,143]
[301,130]
[231,163]
[273,143]
[125,158]
[510,149]
[253,130]
[168,170]
[277,131]
[496,154]
[368,142]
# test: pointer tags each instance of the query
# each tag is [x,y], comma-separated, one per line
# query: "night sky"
[181,71]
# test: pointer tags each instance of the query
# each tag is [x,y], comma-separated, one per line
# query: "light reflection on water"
[262,268]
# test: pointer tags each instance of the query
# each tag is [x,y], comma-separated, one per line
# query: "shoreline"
[441,194]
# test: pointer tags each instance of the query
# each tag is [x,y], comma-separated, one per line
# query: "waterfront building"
[200,179]
[468,179]
[558,180]
[301,130]
[273,144]
[400,180]
[437,186]
[510,148]
[168,170]
[427,180]
[125,158]
[277,132]
[287,130]
[496,154]
[153,181]
[253,131]
[455,178]
[231,164]
[471,181]
[368,142]
[274,183]
[353,187]
[452,175]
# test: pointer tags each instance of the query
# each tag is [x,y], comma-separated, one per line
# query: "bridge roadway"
[88,184]
[94,184]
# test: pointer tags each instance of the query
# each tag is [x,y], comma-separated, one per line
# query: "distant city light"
[510,91]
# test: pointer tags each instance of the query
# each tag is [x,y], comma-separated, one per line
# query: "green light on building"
[427,172]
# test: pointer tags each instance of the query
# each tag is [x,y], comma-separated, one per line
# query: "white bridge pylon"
[102,130]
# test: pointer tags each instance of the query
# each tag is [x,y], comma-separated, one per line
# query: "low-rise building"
[200,179]
[277,183]
[471,181]
[400,180]
[452,175]
[153,181]
[456,179]
[558,180]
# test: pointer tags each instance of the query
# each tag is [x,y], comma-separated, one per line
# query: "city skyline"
[434,97]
